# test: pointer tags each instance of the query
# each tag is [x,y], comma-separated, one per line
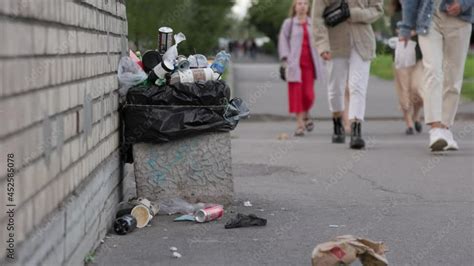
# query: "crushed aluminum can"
[209,214]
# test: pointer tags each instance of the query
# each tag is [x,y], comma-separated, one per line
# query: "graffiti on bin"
[160,171]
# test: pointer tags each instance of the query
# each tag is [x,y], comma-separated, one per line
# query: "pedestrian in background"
[408,79]
[253,49]
[444,29]
[303,64]
[348,49]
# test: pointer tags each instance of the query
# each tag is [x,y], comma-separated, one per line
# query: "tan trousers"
[408,83]
[444,56]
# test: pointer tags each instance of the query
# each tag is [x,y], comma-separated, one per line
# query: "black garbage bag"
[157,124]
[163,114]
[198,93]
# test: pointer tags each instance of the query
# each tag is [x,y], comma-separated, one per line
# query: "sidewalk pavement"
[419,204]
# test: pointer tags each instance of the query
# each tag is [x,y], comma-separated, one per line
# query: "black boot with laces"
[339,135]
[357,142]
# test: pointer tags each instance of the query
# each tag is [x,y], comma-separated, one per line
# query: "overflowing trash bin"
[171,96]
[174,108]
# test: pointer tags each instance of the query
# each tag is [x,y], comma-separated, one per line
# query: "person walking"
[408,79]
[348,49]
[301,62]
[444,28]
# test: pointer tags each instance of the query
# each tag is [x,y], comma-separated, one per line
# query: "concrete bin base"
[198,169]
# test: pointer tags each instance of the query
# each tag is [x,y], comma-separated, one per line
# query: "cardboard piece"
[346,249]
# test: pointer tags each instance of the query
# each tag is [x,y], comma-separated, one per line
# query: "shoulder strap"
[291,30]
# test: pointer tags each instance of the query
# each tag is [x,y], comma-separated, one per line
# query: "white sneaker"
[452,144]
[438,139]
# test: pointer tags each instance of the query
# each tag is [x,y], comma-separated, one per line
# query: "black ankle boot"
[339,135]
[357,142]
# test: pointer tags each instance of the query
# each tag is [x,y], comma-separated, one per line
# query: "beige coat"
[337,40]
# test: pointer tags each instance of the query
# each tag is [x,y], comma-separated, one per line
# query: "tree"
[202,21]
[268,15]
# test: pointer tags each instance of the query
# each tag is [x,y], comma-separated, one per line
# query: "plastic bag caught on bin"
[129,74]
[236,109]
[172,52]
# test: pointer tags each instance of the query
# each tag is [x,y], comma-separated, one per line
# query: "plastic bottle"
[221,62]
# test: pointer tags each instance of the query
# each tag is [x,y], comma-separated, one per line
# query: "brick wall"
[58,113]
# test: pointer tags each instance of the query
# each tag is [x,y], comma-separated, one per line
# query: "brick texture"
[59,112]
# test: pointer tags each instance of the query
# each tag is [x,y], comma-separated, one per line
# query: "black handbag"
[282,71]
[336,13]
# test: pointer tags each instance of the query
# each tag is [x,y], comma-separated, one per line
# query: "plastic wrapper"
[129,74]
[172,52]
[172,206]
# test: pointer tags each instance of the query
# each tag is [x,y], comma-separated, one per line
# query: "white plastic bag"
[405,56]
[129,74]
[172,52]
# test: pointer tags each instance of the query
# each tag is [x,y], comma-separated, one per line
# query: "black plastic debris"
[242,220]
[151,59]
[125,224]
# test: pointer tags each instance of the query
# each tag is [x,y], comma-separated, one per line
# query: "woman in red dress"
[301,58]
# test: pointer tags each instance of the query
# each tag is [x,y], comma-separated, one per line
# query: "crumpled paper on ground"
[346,249]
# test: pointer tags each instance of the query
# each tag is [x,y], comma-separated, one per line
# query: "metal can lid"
[165,30]
[200,216]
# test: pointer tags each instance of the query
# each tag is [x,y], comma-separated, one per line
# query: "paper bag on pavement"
[346,249]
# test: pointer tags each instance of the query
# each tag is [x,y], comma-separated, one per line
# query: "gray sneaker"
[438,139]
